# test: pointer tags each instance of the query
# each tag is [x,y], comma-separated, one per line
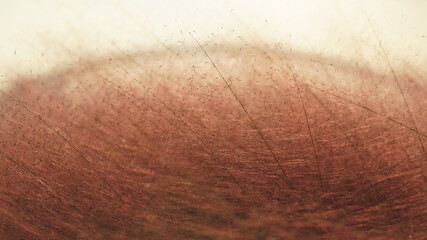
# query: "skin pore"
[214,140]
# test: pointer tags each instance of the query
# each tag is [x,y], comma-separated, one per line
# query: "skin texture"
[214,142]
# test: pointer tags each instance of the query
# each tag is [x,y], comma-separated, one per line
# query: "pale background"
[38,35]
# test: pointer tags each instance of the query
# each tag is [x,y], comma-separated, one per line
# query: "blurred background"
[35,34]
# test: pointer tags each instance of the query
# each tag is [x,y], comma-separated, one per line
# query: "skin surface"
[272,119]
[214,142]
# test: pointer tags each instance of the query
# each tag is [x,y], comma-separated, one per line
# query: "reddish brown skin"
[87,152]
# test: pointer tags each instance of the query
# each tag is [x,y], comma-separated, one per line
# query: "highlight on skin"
[206,141]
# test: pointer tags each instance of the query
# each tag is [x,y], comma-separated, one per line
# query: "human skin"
[214,141]
[131,147]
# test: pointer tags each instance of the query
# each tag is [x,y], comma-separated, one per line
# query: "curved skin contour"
[214,142]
